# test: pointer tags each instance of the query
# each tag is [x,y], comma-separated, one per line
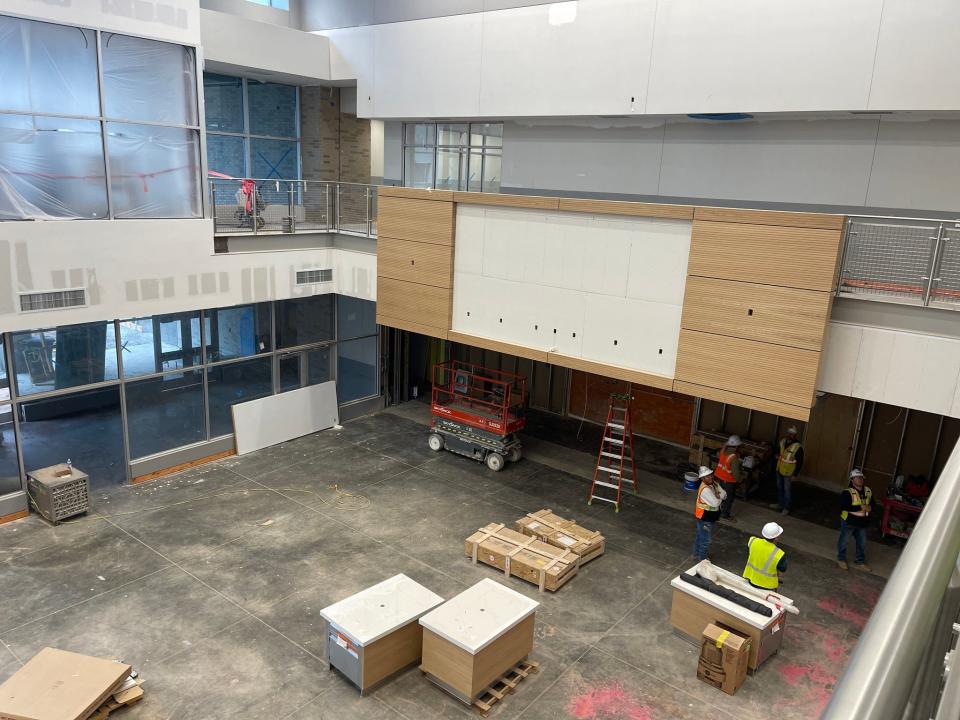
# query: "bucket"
[691,481]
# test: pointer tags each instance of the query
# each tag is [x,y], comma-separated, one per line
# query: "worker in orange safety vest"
[728,472]
[707,511]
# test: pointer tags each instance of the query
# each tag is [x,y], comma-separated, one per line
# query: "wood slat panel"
[418,220]
[773,372]
[415,303]
[790,257]
[612,371]
[424,263]
[635,209]
[519,201]
[497,346]
[770,217]
[784,316]
[420,329]
[415,193]
[794,412]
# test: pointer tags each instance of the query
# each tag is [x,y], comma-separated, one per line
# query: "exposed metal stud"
[903,434]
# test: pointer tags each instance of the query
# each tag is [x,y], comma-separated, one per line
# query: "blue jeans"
[783,491]
[701,545]
[859,537]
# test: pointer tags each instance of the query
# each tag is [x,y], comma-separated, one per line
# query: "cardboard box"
[522,556]
[724,656]
[565,534]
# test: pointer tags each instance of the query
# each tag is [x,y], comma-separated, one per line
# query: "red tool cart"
[907,513]
[477,412]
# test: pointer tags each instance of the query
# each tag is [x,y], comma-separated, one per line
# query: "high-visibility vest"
[762,562]
[724,470]
[702,506]
[787,461]
[856,501]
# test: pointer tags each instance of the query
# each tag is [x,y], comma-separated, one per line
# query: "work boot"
[784,512]
[776,506]
[863,567]
[842,565]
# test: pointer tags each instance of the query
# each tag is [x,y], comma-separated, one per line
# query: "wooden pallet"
[507,683]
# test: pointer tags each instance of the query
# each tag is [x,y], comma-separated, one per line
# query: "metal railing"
[255,207]
[897,671]
[903,260]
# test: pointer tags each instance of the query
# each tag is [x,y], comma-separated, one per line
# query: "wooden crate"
[562,533]
[522,556]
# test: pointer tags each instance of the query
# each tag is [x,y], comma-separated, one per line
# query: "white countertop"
[379,610]
[479,615]
[757,620]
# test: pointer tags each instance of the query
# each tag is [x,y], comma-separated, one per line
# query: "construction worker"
[707,510]
[789,461]
[728,472]
[766,561]
[856,502]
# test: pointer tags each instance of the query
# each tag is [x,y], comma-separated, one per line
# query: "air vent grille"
[32,302]
[310,277]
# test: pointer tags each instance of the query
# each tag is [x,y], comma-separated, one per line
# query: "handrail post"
[256,210]
[326,204]
[213,203]
[366,191]
[291,208]
[934,265]
[339,204]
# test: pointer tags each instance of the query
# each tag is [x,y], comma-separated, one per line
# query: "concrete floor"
[211,583]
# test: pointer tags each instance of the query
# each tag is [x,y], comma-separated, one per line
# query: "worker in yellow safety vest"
[765,561]
[707,511]
[856,501]
[789,461]
[728,472]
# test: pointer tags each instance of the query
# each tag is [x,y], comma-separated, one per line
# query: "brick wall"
[354,149]
[320,133]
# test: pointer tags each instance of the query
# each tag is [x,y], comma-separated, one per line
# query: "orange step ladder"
[615,464]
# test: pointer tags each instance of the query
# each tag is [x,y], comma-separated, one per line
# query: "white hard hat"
[792,431]
[771,531]
[856,472]
[734,441]
[704,471]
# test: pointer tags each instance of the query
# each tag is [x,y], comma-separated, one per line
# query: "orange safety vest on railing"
[724,470]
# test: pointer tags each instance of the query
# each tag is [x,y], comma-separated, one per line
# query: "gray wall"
[331,14]
[258,13]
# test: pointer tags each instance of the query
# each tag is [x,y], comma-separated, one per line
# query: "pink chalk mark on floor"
[855,615]
[607,701]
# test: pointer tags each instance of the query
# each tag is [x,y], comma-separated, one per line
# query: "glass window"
[302,321]
[356,369]
[9,464]
[165,412]
[273,109]
[84,427]
[289,366]
[318,366]
[234,383]
[486,134]
[223,102]
[274,159]
[51,168]
[491,172]
[66,357]
[156,344]
[448,169]
[452,156]
[148,80]
[237,332]
[154,171]
[418,167]
[452,134]
[420,134]
[355,317]
[226,154]
[48,68]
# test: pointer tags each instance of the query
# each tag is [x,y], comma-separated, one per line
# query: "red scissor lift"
[477,412]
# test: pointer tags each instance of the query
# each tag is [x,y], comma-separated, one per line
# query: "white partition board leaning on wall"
[271,420]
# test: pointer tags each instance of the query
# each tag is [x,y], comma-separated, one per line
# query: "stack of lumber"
[522,556]
[61,685]
[562,533]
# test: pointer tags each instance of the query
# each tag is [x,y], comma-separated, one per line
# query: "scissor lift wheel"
[495,461]
[435,442]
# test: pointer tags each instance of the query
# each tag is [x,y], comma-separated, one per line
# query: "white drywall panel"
[351,58]
[513,244]
[916,164]
[631,333]
[796,161]
[232,42]
[572,58]
[598,158]
[607,248]
[873,364]
[955,408]
[917,56]
[176,21]
[254,11]
[568,236]
[560,315]
[428,68]
[761,56]
[468,248]
[838,362]
[258,424]
[469,304]
[923,371]
[392,151]
[659,253]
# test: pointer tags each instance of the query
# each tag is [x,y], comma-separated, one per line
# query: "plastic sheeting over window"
[148,80]
[51,168]
[154,171]
[48,69]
